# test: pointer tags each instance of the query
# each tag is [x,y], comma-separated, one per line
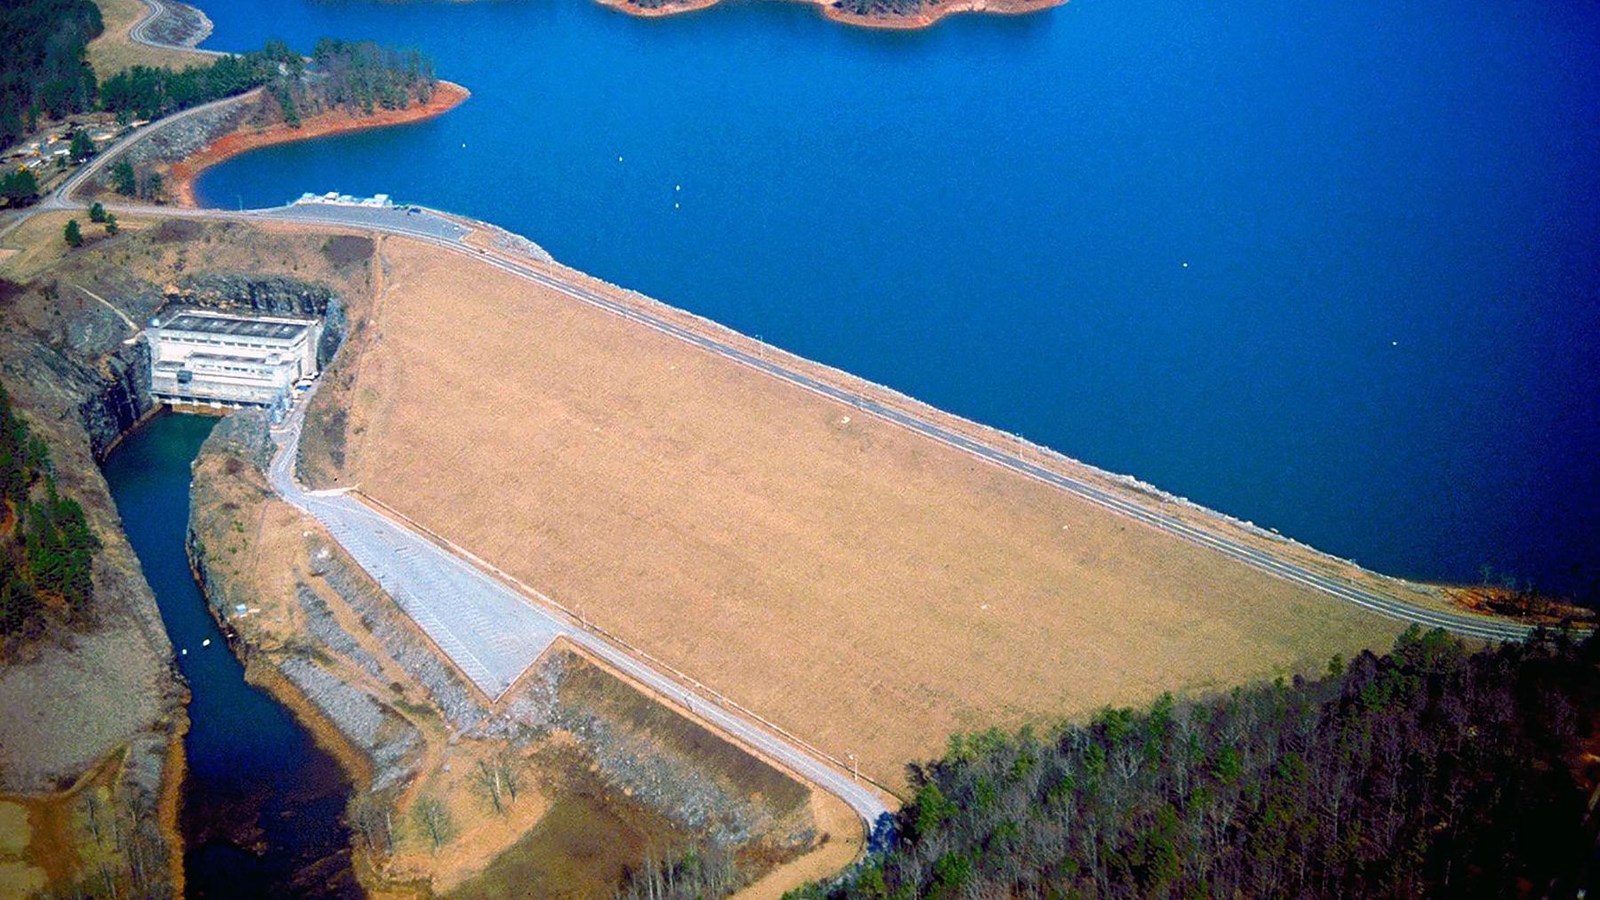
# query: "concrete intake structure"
[210,358]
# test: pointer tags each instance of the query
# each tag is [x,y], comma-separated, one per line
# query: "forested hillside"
[1429,771]
[45,75]
[360,76]
[146,93]
[46,546]
[42,66]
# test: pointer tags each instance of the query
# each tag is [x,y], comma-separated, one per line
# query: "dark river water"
[1331,267]
[262,802]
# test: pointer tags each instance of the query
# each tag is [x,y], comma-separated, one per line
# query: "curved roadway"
[443,232]
[416,227]
[139,31]
[1465,625]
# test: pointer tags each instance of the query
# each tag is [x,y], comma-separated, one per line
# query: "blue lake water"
[262,803]
[1333,268]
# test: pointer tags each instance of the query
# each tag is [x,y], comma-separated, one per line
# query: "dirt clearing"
[865,588]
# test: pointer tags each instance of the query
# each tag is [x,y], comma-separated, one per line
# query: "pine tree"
[123,179]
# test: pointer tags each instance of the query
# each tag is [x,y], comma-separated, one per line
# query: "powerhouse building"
[204,357]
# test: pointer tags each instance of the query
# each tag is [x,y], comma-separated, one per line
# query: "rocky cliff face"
[102,698]
[78,373]
[172,142]
[123,397]
[115,388]
[82,362]
[110,394]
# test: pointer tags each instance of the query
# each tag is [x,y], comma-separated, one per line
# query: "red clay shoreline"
[930,14]
[181,179]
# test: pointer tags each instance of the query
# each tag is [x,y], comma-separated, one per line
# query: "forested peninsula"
[345,86]
[342,86]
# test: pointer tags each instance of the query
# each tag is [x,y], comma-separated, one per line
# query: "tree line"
[879,7]
[364,76]
[20,186]
[147,92]
[1426,771]
[46,545]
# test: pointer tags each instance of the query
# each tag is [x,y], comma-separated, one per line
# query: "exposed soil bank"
[929,14]
[340,121]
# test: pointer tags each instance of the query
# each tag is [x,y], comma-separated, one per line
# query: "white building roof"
[269,329]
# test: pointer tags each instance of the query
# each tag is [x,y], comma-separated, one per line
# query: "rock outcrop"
[271,296]
[173,141]
[106,690]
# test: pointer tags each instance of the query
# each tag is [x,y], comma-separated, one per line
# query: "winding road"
[139,32]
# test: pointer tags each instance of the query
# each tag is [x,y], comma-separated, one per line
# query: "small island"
[898,15]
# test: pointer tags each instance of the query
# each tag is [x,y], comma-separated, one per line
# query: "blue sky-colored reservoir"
[1333,268]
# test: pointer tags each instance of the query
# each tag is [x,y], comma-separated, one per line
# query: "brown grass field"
[113,51]
[863,587]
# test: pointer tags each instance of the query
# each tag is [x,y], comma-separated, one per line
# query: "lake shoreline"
[928,16]
[245,138]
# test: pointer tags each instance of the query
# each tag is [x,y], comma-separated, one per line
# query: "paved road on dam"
[446,232]
[1281,566]
[493,633]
